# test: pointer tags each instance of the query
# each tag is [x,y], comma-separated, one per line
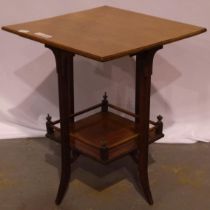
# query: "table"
[103,34]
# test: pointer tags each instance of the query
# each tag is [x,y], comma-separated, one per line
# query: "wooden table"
[103,34]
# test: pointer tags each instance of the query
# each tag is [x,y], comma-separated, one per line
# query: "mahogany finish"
[106,136]
[144,61]
[104,33]
[105,130]
[64,66]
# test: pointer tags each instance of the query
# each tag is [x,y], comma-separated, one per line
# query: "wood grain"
[116,133]
[105,33]
[104,129]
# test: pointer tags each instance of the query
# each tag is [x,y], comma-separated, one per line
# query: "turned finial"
[104,104]
[49,127]
[49,118]
[160,118]
[105,96]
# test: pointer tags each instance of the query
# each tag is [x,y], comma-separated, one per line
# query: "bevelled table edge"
[102,58]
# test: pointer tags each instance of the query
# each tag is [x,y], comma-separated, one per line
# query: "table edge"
[103,58]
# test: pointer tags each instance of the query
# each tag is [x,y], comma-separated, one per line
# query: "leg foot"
[65,177]
[144,179]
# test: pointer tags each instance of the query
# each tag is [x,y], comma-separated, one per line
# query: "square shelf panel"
[105,136]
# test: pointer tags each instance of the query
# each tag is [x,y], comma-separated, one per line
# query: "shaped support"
[144,62]
[64,65]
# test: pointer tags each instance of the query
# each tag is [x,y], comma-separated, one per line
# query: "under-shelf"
[105,136]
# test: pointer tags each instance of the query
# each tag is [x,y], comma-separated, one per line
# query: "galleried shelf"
[105,135]
[103,34]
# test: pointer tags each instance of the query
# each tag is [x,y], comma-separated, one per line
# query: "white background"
[180,84]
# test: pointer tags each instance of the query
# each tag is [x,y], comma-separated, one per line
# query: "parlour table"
[103,34]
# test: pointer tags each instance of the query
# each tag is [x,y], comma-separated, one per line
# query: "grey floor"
[29,177]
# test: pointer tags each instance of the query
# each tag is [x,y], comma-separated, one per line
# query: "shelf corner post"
[49,127]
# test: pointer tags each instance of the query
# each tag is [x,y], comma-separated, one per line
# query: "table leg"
[144,61]
[64,65]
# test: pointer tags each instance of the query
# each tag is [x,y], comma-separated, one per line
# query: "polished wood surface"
[64,66]
[105,130]
[105,33]
[144,64]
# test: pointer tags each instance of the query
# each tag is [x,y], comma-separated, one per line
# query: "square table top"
[104,33]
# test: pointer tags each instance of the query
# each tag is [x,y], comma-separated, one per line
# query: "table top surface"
[104,33]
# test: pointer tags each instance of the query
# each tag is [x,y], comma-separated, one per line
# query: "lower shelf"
[105,136]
